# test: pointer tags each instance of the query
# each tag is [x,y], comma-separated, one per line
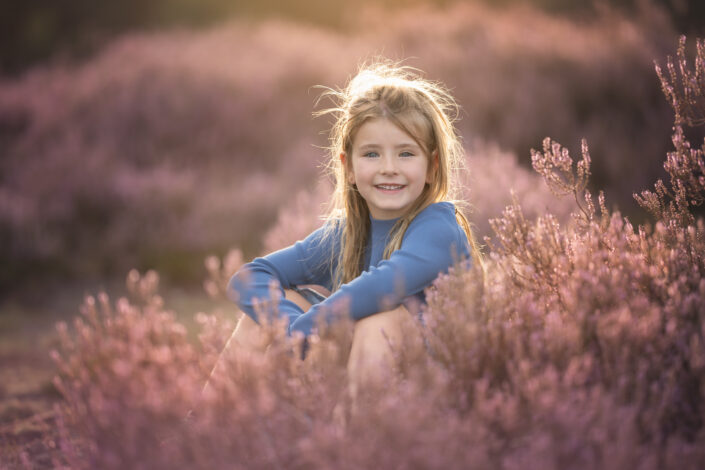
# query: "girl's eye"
[371,155]
[406,154]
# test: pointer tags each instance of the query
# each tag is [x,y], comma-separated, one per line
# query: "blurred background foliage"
[150,135]
[32,31]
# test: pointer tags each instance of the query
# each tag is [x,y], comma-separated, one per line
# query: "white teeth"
[390,186]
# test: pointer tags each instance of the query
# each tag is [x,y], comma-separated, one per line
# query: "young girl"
[392,228]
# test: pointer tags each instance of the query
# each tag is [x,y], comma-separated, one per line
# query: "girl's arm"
[432,243]
[305,262]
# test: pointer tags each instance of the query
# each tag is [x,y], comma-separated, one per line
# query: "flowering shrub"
[130,380]
[587,337]
[582,347]
[116,355]
[169,145]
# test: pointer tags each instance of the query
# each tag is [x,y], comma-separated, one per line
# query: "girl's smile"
[390,188]
[388,167]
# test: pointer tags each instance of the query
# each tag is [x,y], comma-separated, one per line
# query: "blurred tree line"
[34,30]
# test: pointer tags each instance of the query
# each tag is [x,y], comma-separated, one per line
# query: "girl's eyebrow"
[398,146]
[368,146]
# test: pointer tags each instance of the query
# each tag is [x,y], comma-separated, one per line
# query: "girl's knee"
[379,325]
[374,337]
[371,357]
[248,334]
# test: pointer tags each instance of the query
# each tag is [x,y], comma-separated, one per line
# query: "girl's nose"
[388,165]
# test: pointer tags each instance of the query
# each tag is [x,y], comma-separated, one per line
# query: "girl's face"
[388,167]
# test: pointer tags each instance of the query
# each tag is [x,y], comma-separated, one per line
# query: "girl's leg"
[370,355]
[248,334]
[248,338]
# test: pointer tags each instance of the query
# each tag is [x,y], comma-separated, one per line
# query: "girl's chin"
[387,212]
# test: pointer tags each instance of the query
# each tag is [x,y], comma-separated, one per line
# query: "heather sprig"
[684,86]
[219,272]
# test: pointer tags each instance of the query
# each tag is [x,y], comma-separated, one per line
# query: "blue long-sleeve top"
[431,244]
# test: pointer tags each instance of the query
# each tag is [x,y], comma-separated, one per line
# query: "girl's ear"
[433,167]
[349,174]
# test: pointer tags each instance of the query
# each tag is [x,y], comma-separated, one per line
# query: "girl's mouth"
[389,188]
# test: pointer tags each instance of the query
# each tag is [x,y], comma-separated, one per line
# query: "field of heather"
[135,182]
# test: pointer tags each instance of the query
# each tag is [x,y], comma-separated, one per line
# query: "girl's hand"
[304,323]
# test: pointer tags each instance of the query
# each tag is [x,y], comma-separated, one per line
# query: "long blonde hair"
[426,112]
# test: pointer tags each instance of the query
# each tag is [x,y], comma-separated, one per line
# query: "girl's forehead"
[382,130]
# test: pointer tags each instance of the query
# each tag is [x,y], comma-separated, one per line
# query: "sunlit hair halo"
[426,112]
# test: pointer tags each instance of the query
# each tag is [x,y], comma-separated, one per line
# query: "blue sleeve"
[305,262]
[432,243]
